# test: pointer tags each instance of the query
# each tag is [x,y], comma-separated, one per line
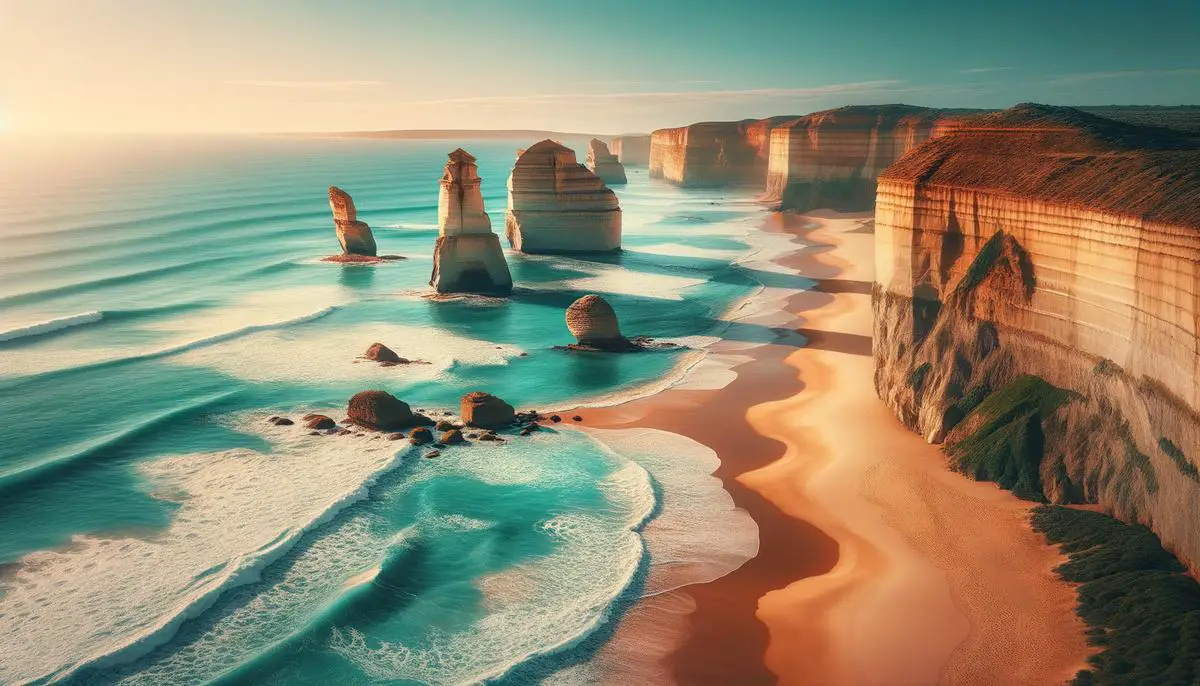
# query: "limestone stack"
[711,154]
[593,323]
[355,236]
[1045,245]
[467,257]
[604,164]
[832,158]
[556,205]
[632,150]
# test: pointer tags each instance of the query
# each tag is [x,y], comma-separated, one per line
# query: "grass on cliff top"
[1007,447]
[1142,610]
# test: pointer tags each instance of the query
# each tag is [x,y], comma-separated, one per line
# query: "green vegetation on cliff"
[1142,610]
[1008,444]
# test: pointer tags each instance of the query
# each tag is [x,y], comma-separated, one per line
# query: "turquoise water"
[161,299]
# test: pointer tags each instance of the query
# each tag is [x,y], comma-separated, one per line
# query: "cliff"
[632,150]
[467,257]
[354,236]
[1037,305]
[604,164]
[832,158]
[714,153]
[556,205]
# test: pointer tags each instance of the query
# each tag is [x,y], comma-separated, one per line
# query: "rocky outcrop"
[831,159]
[632,150]
[379,410]
[604,164]
[467,257]
[379,352]
[556,205]
[710,154]
[593,323]
[1037,308]
[486,411]
[354,236]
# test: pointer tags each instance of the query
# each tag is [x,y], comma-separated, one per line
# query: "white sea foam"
[11,331]
[329,355]
[95,602]
[683,250]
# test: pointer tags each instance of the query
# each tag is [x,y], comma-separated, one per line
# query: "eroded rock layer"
[604,164]
[556,205]
[708,154]
[354,236]
[832,158]
[467,257]
[1037,305]
[632,150]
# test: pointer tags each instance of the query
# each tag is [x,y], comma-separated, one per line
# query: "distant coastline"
[447,134]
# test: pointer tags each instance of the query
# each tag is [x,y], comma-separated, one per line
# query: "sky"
[153,66]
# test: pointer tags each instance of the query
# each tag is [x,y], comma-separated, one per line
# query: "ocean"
[160,299]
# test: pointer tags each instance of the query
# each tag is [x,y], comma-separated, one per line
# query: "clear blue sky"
[625,65]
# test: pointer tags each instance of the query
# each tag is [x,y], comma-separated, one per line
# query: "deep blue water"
[140,484]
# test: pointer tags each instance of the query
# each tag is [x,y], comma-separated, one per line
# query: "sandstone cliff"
[832,158]
[1037,305]
[556,205]
[467,257]
[604,164]
[632,150]
[354,236]
[711,154]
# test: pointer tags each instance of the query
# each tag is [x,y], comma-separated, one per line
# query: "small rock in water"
[486,411]
[395,436]
[379,352]
[433,453]
[315,433]
[319,422]
[577,418]
[472,435]
[445,425]
[379,410]
[344,432]
[489,437]
[555,418]
[452,437]
[282,421]
[420,436]
[526,431]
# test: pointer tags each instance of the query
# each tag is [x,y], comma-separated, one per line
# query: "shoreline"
[869,544]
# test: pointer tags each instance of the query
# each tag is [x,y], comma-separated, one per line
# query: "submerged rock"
[453,437]
[420,436]
[467,257]
[604,164]
[379,410]
[556,205]
[354,236]
[319,422]
[486,411]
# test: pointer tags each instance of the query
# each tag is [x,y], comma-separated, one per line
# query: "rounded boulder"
[486,411]
[379,410]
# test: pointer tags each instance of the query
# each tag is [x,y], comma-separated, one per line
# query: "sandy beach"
[877,565]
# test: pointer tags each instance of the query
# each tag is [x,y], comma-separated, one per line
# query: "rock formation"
[556,205]
[379,410]
[486,411]
[732,153]
[593,323]
[354,236]
[831,159]
[1037,308]
[467,257]
[384,355]
[632,150]
[604,164]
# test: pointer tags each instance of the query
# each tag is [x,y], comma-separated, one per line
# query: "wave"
[51,325]
[194,561]
[52,465]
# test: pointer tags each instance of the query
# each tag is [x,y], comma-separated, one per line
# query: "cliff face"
[714,153]
[632,150]
[556,205]
[1037,306]
[832,158]
[467,257]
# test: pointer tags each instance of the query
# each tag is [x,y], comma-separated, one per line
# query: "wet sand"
[876,564]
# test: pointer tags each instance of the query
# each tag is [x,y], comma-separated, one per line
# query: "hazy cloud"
[982,70]
[1131,73]
[671,96]
[306,85]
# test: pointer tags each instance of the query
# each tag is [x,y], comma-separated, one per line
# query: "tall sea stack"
[632,150]
[604,164]
[556,205]
[355,236]
[467,257]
